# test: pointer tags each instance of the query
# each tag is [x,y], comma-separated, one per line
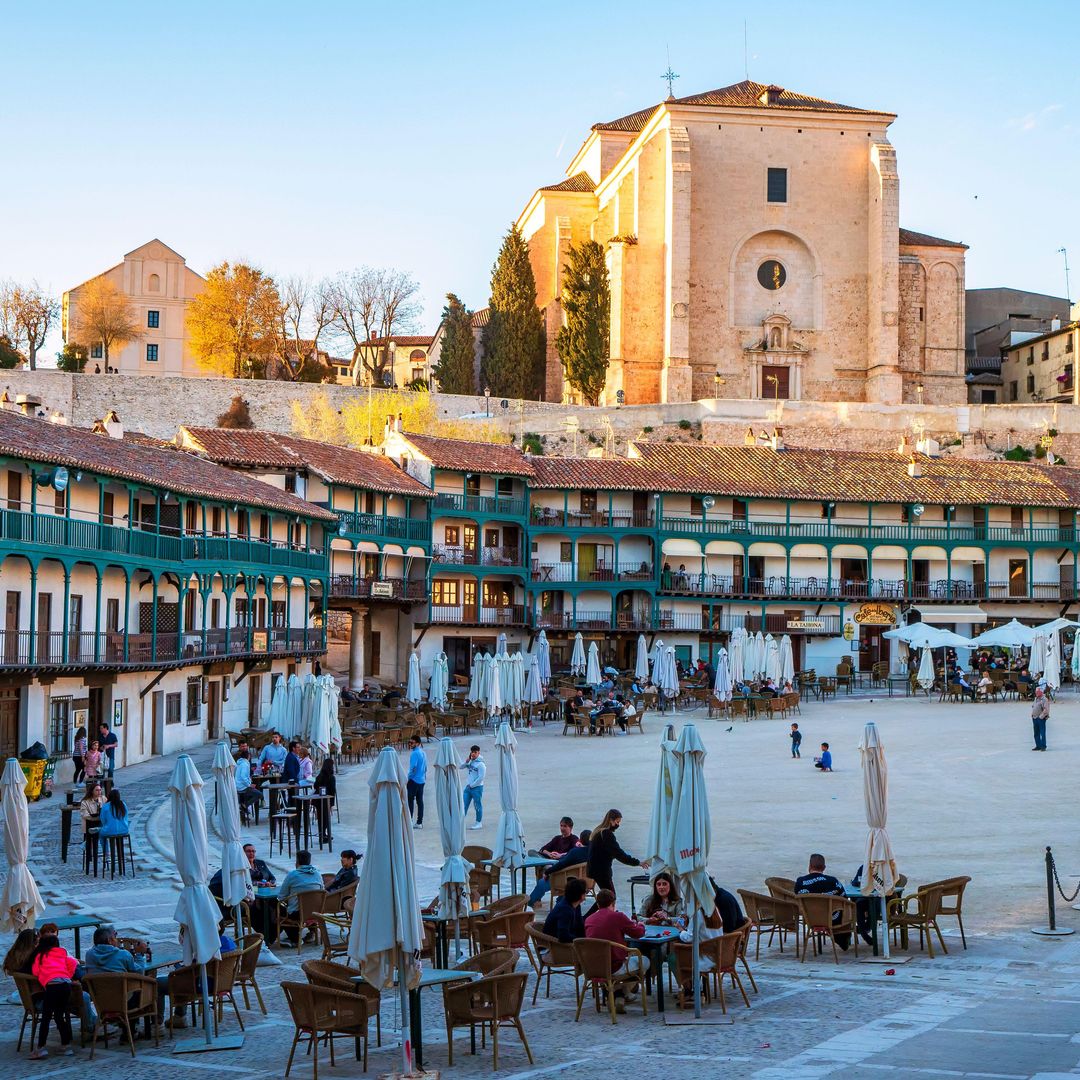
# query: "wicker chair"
[492,1002]
[322,1014]
[184,989]
[308,905]
[223,973]
[333,944]
[507,905]
[780,887]
[919,911]
[725,952]
[121,999]
[952,899]
[557,879]
[340,901]
[817,913]
[774,914]
[250,947]
[550,956]
[509,931]
[340,977]
[500,961]
[593,956]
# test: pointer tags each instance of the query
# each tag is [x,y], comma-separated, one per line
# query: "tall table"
[266,897]
[307,801]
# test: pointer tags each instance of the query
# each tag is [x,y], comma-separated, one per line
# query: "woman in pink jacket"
[55,970]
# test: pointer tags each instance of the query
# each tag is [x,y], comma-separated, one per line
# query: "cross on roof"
[669,76]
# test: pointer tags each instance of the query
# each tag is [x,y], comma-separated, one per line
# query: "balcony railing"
[417,530]
[377,588]
[752,529]
[456,555]
[631,570]
[498,505]
[545,518]
[724,623]
[21,648]
[565,620]
[474,615]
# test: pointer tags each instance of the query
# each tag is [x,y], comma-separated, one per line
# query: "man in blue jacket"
[417,780]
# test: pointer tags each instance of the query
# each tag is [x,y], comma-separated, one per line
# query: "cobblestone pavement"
[1007,1007]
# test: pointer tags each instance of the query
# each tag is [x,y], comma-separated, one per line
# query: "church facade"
[754,250]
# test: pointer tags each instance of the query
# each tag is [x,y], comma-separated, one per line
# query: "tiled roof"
[406,340]
[919,239]
[798,473]
[463,455]
[334,464]
[581,181]
[482,317]
[741,95]
[184,474]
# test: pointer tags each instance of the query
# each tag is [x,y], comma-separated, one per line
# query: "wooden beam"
[151,684]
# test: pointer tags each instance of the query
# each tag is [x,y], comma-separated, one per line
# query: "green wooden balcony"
[385,527]
[490,505]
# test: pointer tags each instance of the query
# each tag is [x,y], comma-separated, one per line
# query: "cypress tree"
[513,363]
[586,301]
[455,369]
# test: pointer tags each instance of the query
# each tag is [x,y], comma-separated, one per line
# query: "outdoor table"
[654,943]
[66,813]
[899,680]
[531,862]
[71,922]
[852,892]
[266,897]
[276,802]
[306,800]
[442,932]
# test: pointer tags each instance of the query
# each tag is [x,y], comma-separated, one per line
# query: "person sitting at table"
[290,769]
[305,878]
[576,856]
[91,805]
[246,793]
[260,872]
[92,761]
[564,921]
[107,956]
[984,686]
[560,844]
[817,882]
[272,758]
[392,698]
[609,924]
[20,956]
[576,701]
[965,686]
[345,876]
[241,745]
[770,689]
[664,904]
[732,917]
[114,818]
[608,704]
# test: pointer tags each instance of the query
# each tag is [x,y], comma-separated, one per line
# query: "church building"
[754,250]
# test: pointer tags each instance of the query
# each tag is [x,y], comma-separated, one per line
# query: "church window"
[153,319]
[771,275]
[777,186]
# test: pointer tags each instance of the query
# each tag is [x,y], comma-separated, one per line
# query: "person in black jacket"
[290,771]
[604,850]
[564,921]
[326,781]
[259,870]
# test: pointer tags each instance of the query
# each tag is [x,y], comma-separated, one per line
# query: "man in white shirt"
[247,794]
[474,786]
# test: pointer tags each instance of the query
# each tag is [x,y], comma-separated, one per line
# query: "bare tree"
[307,309]
[373,303]
[105,317]
[27,314]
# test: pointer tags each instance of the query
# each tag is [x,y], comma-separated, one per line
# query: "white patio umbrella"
[759,653]
[722,685]
[500,646]
[493,687]
[771,667]
[475,676]
[279,704]
[387,932]
[509,847]
[294,701]
[656,657]
[449,802]
[412,684]
[196,911]
[689,838]
[319,733]
[1052,669]
[669,676]
[1012,635]
[235,872]
[534,689]
[577,657]
[656,845]
[308,693]
[440,682]
[517,681]
[1037,660]
[925,677]
[333,708]
[20,901]
[737,654]
[641,660]
[543,655]
[1074,660]
[787,661]
[592,671]
[879,863]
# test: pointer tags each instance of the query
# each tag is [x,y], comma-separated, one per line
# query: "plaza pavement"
[966,796]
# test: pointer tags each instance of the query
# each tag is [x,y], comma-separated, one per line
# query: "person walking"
[417,779]
[1040,713]
[796,741]
[78,752]
[604,849]
[474,787]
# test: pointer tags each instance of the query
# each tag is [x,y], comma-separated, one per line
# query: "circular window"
[771,275]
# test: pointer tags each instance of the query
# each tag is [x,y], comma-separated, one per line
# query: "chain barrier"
[1052,869]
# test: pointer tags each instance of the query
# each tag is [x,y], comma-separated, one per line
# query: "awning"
[957,614]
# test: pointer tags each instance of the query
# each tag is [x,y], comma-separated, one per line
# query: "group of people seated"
[604,703]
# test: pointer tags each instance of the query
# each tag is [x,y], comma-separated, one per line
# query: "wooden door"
[75,619]
[776,383]
[157,722]
[469,532]
[9,723]
[373,656]
[213,710]
[11,626]
[641,509]
[44,627]
[14,490]
[1018,577]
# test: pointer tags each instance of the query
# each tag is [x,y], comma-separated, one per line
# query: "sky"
[315,138]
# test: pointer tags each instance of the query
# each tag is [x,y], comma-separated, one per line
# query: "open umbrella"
[196,911]
[235,872]
[592,671]
[641,660]
[925,678]
[387,932]
[722,685]
[509,847]
[879,863]
[1012,635]
[787,661]
[412,685]
[279,705]
[1052,668]
[20,901]
[771,667]
[543,655]
[577,657]
[737,654]
[656,844]
[454,878]
[440,681]
[689,838]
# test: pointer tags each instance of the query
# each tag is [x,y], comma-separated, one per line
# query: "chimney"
[914,469]
[57,418]
[770,95]
[400,423]
[903,448]
[5,400]
[27,404]
[777,438]
[113,428]
[749,439]
[1055,324]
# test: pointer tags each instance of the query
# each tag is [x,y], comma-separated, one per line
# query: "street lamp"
[919,388]
[718,381]
[487,401]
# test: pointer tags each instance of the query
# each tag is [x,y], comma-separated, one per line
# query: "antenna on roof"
[669,76]
[745,52]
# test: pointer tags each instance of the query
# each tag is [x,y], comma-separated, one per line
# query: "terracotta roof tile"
[581,181]
[919,239]
[334,464]
[463,455]
[406,340]
[126,459]
[481,317]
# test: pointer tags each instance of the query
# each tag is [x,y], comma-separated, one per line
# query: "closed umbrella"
[279,705]
[509,847]
[517,681]
[387,932]
[493,687]
[440,681]
[787,661]
[592,672]
[412,684]
[689,838]
[235,873]
[1074,662]
[669,675]
[196,911]
[759,654]
[543,654]
[475,677]
[722,685]
[333,708]
[771,667]
[319,733]
[641,661]
[577,657]
[925,677]
[1037,660]
[656,657]
[1052,672]
[737,654]
[500,645]
[656,845]
[20,901]
[879,863]
[534,689]
[307,705]
[294,700]
[449,802]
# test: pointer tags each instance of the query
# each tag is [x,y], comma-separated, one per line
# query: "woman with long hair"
[663,904]
[114,819]
[326,781]
[21,954]
[91,762]
[91,805]
[54,970]
[604,849]
[78,752]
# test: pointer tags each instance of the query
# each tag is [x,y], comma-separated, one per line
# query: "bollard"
[1051,929]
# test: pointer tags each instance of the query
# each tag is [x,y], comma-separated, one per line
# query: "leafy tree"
[27,314]
[10,357]
[456,369]
[237,415]
[513,363]
[71,358]
[104,316]
[234,322]
[586,301]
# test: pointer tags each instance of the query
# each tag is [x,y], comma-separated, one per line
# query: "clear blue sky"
[313,138]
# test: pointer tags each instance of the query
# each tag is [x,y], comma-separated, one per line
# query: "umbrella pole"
[406,1023]
[205,1005]
[238,919]
[696,965]
[457,931]
[884,924]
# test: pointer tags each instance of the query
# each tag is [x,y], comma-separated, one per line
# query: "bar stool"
[282,825]
[90,850]
[114,851]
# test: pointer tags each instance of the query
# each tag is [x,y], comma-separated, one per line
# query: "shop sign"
[382,590]
[806,624]
[875,615]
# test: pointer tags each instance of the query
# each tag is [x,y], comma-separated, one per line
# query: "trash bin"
[34,771]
